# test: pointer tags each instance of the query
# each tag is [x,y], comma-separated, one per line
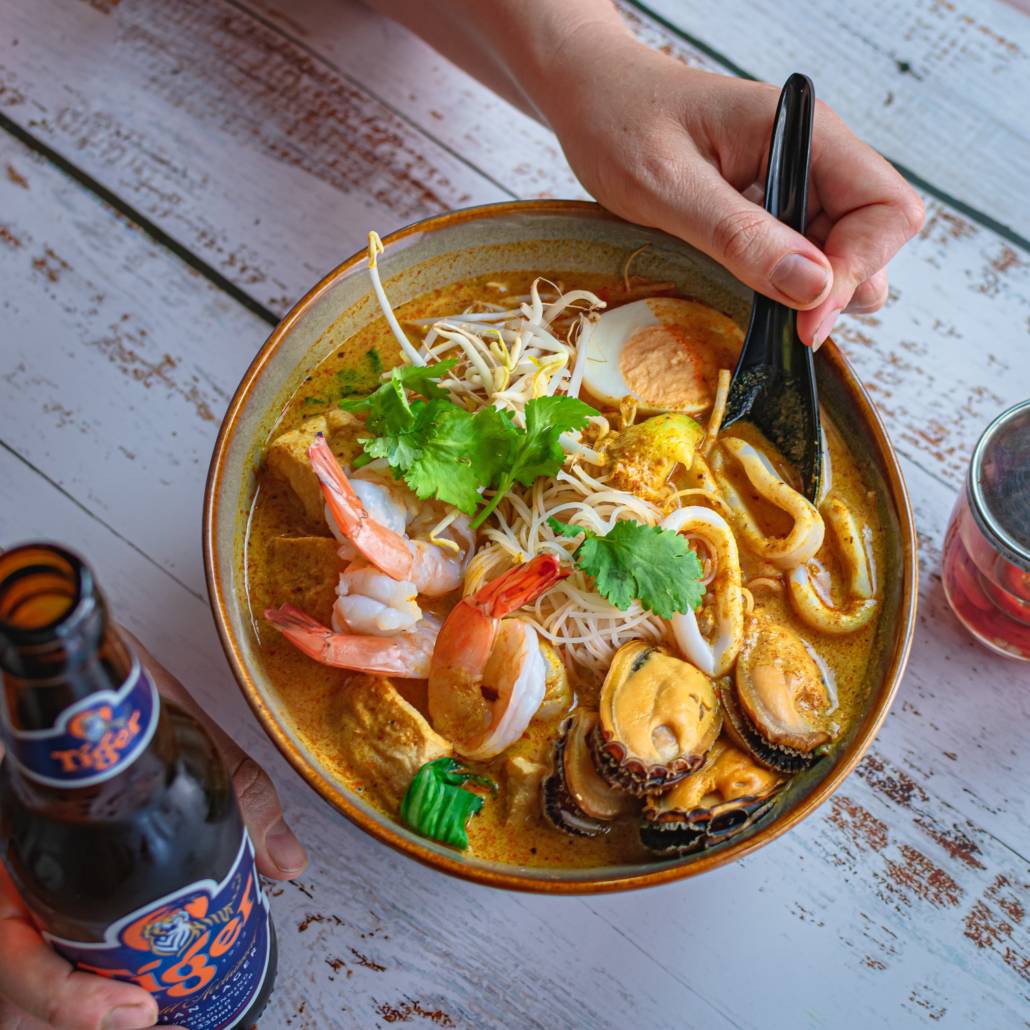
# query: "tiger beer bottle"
[118,822]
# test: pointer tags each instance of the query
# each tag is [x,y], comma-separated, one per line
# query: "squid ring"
[861,605]
[805,536]
[715,657]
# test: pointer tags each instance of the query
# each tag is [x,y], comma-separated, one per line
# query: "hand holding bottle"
[39,988]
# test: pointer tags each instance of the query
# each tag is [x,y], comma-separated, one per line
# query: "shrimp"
[369,601]
[377,623]
[488,676]
[379,536]
[404,655]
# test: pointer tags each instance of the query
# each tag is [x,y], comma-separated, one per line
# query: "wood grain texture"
[291,162]
[260,155]
[939,86]
[901,902]
[396,66]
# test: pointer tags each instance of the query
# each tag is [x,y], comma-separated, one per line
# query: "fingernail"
[799,278]
[284,849]
[824,329]
[130,1017]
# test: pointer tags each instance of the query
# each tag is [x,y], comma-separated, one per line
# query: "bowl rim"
[512,878]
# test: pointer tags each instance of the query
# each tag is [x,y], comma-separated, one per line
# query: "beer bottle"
[118,822]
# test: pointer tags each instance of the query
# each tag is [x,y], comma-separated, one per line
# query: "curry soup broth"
[308,689]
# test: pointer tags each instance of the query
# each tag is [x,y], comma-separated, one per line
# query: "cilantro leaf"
[537,450]
[393,417]
[633,560]
[422,379]
[457,453]
[388,405]
[443,451]
[437,804]
[540,452]
[399,447]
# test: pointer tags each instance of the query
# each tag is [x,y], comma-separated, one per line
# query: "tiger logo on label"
[91,740]
[203,952]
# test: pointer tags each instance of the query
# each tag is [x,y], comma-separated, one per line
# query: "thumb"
[758,249]
[37,984]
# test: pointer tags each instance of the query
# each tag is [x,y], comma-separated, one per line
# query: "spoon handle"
[772,339]
[773,353]
[786,183]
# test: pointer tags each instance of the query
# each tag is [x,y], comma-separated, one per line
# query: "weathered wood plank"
[911,878]
[951,348]
[938,86]
[920,924]
[291,161]
[931,73]
[403,71]
[139,363]
[236,145]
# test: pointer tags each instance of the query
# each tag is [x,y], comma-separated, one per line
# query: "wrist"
[556,73]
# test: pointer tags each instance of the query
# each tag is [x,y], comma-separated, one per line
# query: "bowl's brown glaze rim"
[337,795]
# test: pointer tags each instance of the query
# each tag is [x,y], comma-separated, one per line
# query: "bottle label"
[94,739]
[202,951]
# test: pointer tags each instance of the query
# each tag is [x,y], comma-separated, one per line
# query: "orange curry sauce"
[310,692]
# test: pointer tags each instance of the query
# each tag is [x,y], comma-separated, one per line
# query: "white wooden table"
[174,173]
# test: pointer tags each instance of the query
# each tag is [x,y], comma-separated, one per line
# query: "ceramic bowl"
[567,236]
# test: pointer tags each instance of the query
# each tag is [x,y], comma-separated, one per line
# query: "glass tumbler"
[986,566]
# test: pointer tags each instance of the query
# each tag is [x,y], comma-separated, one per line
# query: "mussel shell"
[559,806]
[592,793]
[710,806]
[633,776]
[745,735]
[702,829]
[780,688]
[668,683]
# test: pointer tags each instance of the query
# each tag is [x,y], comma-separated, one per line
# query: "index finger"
[871,209]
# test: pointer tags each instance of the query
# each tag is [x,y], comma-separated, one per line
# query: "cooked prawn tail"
[518,586]
[404,655]
[288,618]
[343,502]
[300,629]
[383,547]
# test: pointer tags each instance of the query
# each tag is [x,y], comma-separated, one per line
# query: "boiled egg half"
[663,352]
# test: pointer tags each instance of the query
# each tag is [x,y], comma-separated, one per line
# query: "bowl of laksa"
[500,587]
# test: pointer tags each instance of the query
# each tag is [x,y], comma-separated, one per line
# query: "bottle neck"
[76,708]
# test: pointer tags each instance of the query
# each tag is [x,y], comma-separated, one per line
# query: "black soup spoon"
[773,385]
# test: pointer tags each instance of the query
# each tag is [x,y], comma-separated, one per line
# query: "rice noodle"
[629,264]
[722,392]
[571,614]
[506,355]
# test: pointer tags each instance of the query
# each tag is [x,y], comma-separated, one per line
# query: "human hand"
[686,151]
[39,989]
